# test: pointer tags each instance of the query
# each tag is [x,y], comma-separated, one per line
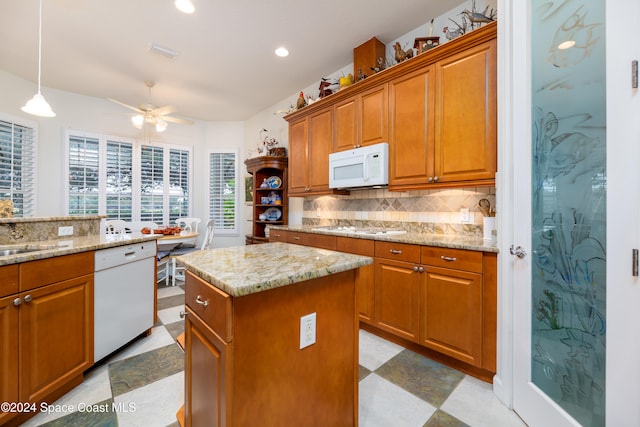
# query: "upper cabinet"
[361,120]
[310,141]
[438,111]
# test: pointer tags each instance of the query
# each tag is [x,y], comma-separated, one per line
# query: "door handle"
[517,251]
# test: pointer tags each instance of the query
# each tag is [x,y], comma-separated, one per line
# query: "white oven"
[360,167]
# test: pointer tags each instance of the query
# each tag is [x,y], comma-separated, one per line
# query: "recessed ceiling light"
[282,52]
[185,6]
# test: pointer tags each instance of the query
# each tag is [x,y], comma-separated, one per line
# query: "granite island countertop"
[472,243]
[245,270]
[70,245]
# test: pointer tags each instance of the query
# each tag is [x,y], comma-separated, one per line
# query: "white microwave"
[360,167]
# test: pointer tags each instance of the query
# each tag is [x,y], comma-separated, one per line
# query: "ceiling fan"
[152,114]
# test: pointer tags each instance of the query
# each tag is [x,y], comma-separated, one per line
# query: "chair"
[163,265]
[116,226]
[178,270]
[189,225]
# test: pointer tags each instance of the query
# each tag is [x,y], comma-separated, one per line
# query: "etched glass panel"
[569,205]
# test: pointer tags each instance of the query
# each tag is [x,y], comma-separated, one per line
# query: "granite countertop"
[245,270]
[70,245]
[438,240]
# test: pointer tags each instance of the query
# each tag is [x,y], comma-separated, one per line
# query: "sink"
[7,251]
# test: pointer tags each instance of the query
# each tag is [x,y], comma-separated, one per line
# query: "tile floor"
[398,388]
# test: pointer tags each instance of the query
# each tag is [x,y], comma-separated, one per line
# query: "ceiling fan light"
[161,125]
[138,121]
[38,106]
[185,6]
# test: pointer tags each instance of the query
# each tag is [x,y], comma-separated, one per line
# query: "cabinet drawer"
[315,240]
[355,246]
[34,274]
[211,304]
[458,259]
[278,236]
[398,251]
[8,280]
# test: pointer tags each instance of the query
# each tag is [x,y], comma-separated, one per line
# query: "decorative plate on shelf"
[273,214]
[274,182]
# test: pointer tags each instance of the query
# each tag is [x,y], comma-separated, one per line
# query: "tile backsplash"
[427,211]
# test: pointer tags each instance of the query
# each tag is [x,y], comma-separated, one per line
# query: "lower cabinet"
[440,298]
[46,341]
[205,394]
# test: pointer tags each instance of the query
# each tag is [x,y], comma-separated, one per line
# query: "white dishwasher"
[124,293]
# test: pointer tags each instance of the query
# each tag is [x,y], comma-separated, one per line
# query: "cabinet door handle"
[395,251]
[17,301]
[448,258]
[421,269]
[203,303]
[296,238]
[435,178]
[415,268]
[183,314]
[27,298]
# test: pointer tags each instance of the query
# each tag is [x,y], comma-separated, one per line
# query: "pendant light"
[37,105]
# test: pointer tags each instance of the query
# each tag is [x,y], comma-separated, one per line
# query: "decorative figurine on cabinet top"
[401,55]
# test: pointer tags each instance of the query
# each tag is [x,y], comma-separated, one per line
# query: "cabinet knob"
[202,302]
[430,179]
[421,269]
[183,314]
[17,301]
[27,298]
[415,268]
[435,178]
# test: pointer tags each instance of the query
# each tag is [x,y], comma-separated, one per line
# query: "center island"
[271,336]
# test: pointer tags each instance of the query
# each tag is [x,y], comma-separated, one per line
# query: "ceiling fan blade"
[162,111]
[126,105]
[177,120]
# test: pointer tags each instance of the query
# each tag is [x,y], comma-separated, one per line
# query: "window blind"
[152,184]
[17,166]
[83,175]
[119,180]
[222,190]
[178,184]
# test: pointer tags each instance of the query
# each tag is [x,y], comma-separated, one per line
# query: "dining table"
[172,241]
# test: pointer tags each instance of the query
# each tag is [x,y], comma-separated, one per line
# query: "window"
[223,190]
[126,180]
[17,164]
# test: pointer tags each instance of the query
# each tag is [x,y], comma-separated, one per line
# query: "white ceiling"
[226,69]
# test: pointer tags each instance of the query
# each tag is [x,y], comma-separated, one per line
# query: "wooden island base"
[244,365]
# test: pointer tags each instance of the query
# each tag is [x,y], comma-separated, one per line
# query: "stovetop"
[364,230]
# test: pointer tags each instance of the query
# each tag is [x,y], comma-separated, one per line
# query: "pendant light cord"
[39,46]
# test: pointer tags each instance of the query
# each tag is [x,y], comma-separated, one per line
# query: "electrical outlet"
[65,231]
[464,215]
[307,330]
[318,212]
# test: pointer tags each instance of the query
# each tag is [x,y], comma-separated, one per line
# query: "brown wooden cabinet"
[466,116]
[310,142]
[47,338]
[397,289]
[361,120]
[268,201]
[243,355]
[438,111]
[364,275]
[451,303]
[9,339]
[440,298]
[411,142]
[443,122]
